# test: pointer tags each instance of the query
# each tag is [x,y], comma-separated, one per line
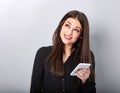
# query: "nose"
[70,31]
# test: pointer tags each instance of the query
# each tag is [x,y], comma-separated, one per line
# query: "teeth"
[68,37]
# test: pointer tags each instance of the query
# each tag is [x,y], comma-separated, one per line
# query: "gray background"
[27,25]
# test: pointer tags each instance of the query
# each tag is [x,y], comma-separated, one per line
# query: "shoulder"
[44,51]
[92,54]
[93,59]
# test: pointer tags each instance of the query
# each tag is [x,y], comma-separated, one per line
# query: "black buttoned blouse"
[42,81]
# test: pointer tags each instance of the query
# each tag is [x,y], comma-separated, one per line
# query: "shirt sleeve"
[88,87]
[37,74]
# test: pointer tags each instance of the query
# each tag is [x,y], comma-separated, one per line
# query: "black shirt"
[44,82]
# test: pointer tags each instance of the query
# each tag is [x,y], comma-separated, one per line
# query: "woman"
[53,64]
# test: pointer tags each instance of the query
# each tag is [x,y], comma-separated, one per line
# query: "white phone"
[80,65]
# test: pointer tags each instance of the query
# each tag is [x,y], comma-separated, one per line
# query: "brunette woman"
[53,64]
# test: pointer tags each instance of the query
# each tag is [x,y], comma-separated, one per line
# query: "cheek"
[77,36]
[61,33]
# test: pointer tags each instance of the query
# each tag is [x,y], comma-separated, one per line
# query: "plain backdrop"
[27,25]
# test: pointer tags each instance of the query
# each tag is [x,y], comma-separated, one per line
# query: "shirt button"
[63,79]
[63,90]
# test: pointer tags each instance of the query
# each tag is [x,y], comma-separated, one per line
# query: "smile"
[67,37]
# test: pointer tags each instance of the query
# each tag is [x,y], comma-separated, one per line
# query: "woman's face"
[70,31]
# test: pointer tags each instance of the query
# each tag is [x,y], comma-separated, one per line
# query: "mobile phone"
[79,66]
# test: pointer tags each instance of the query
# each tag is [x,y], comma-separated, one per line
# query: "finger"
[79,73]
[86,70]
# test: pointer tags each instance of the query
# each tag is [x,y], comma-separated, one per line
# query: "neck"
[68,50]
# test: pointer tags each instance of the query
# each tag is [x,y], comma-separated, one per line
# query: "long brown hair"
[81,47]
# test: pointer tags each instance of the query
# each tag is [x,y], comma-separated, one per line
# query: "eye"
[77,30]
[67,25]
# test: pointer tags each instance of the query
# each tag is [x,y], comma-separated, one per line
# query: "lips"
[67,37]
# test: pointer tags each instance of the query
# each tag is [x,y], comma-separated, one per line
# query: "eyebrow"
[75,26]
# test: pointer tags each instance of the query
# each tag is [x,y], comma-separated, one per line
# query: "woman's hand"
[83,74]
